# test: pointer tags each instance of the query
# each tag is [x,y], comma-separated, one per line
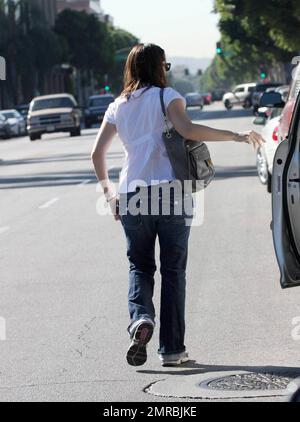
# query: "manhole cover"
[224,385]
[248,382]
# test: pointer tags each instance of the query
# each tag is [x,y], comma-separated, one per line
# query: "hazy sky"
[183,28]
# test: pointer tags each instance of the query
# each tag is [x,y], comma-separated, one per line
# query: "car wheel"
[228,105]
[262,167]
[75,132]
[34,137]
[247,104]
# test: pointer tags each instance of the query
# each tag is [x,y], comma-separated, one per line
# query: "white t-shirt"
[140,124]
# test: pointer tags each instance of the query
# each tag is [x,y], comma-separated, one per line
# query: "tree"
[29,47]
[255,33]
[89,42]
[123,42]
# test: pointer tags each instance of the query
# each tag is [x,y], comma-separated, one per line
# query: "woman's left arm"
[103,141]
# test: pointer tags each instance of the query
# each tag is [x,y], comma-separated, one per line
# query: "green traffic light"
[263,75]
[219,50]
[107,88]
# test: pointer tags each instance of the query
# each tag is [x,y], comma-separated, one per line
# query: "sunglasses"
[168,66]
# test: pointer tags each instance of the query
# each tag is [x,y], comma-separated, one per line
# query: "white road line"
[85,182]
[48,204]
[4,229]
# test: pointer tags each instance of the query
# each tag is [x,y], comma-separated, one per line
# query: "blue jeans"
[173,233]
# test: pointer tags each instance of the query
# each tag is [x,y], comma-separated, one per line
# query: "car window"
[101,101]
[239,90]
[9,114]
[63,102]
[251,89]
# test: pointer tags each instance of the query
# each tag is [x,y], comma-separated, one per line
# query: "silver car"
[194,99]
[15,122]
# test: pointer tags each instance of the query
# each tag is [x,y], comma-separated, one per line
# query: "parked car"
[259,91]
[15,122]
[265,154]
[207,97]
[218,94]
[23,109]
[286,199]
[97,106]
[4,128]
[239,96]
[54,113]
[194,99]
[270,118]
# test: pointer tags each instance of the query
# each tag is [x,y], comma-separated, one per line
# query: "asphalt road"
[63,275]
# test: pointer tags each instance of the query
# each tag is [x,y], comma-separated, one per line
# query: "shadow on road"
[75,177]
[57,158]
[194,368]
[196,114]
[235,172]
[55,179]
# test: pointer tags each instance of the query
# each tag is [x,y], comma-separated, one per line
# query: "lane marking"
[48,204]
[4,229]
[85,182]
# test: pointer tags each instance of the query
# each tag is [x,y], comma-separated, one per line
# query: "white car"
[265,154]
[15,121]
[241,95]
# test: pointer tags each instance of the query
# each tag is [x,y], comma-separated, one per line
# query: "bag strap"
[163,108]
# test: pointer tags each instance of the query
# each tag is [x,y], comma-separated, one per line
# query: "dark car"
[23,109]
[97,106]
[258,92]
[218,94]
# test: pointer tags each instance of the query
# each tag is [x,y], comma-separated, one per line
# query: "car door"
[286,204]
[239,95]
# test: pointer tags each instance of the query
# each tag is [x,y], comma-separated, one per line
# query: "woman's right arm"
[194,132]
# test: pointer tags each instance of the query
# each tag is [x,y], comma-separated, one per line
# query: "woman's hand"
[252,138]
[114,206]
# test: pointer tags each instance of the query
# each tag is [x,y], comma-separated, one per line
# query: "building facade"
[88,6]
[49,9]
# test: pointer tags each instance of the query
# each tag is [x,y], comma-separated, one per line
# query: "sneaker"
[174,359]
[141,334]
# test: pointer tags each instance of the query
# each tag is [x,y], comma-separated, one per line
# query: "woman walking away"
[138,119]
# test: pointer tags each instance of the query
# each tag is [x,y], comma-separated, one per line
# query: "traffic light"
[187,72]
[200,72]
[219,48]
[107,88]
[263,74]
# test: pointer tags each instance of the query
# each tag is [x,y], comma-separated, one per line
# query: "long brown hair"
[144,68]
